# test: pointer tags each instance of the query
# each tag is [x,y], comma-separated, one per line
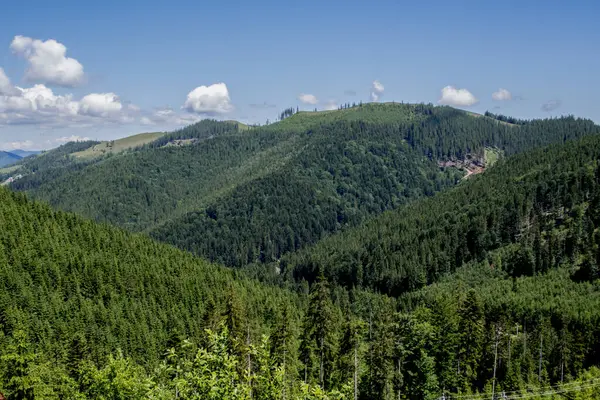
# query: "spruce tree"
[470,339]
[318,344]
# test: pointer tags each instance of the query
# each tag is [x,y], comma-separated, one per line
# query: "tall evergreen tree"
[318,342]
[470,339]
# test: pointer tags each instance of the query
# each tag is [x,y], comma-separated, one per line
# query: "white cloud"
[40,105]
[41,99]
[308,98]
[330,105]
[6,88]
[502,95]
[209,100]
[457,97]
[377,90]
[48,62]
[100,104]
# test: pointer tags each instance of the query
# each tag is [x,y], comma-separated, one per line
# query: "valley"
[357,243]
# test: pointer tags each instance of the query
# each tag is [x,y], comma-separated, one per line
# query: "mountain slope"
[73,293]
[358,163]
[46,165]
[542,199]
[228,193]
[7,158]
[25,153]
[118,146]
[62,276]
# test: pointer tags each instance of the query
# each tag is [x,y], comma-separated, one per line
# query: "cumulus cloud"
[100,104]
[6,88]
[457,97]
[48,62]
[209,100]
[551,105]
[502,95]
[40,105]
[377,90]
[42,99]
[308,98]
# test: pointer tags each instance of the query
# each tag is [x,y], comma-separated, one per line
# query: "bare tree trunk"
[284,371]
[356,371]
[321,374]
[305,370]
[495,362]
[249,365]
[540,365]
[399,372]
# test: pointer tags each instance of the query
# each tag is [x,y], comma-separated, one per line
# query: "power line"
[518,394]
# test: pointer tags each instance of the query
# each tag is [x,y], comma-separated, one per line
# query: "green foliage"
[16,363]
[532,211]
[319,343]
[495,280]
[83,290]
[119,379]
[7,158]
[244,196]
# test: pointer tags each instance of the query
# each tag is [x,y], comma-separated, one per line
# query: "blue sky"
[136,67]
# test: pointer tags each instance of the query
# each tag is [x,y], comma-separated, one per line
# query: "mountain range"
[379,251]
[8,158]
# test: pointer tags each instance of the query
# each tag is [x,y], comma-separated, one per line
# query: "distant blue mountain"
[7,158]
[25,153]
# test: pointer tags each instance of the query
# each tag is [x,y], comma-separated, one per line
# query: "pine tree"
[233,317]
[283,349]
[377,383]
[318,345]
[470,339]
[77,353]
[350,353]
[17,360]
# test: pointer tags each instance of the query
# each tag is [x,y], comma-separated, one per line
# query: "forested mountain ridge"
[7,158]
[120,290]
[74,293]
[238,194]
[91,311]
[543,200]
[87,310]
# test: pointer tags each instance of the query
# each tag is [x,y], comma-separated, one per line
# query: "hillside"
[73,155]
[88,309]
[509,260]
[541,199]
[118,146]
[7,158]
[119,290]
[81,303]
[243,195]
[25,153]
